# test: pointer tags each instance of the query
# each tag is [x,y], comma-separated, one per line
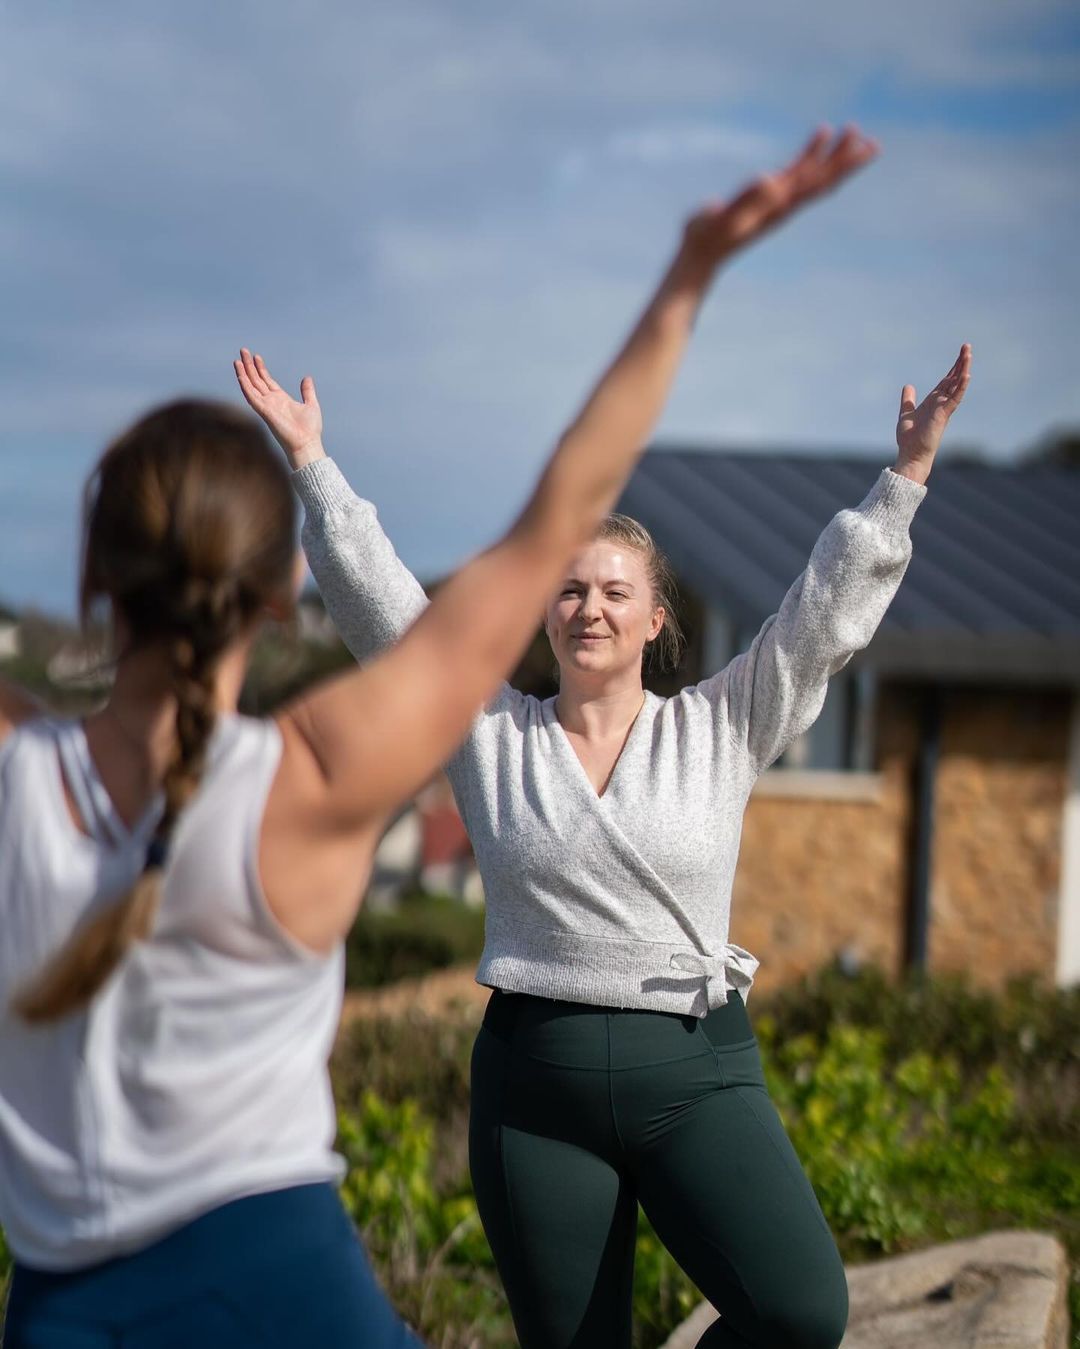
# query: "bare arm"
[372,737]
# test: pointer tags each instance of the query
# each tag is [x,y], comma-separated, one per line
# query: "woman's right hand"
[296,426]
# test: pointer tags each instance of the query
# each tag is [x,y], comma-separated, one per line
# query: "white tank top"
[199,1073]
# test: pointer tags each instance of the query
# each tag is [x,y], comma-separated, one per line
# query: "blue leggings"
[275,1270]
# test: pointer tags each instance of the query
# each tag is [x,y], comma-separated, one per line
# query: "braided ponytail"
[210,545]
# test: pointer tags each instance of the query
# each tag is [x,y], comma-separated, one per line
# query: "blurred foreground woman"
[176,880]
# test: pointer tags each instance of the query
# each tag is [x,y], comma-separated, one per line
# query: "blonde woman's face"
[603,613]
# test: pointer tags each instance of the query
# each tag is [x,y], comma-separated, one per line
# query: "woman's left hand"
[919,429]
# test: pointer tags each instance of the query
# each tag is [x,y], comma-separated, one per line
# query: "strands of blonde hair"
[665,651]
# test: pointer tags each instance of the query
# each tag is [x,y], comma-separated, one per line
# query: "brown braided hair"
[189,532]
[665,650]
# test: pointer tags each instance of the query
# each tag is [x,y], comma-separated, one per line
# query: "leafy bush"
[415,1059]
[424,934]
[428,1247]
[907,1140]
[1030,1031]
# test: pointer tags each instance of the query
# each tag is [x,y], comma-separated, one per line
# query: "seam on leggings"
[611,1092]
[747,1101]
[503,1170]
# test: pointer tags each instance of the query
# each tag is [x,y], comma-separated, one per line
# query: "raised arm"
[367,740]
[369,593]
[774,691]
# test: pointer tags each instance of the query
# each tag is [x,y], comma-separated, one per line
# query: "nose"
[590,607]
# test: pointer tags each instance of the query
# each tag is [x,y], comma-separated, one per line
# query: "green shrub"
[1030,1031]
[928,1111]
[416,1057]
[424,934]
[907,1143]
[420,1059]
[428,1247]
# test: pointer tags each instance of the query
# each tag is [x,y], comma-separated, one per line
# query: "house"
[931,816]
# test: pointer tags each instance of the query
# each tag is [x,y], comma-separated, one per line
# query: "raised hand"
[919,429]
[722,228]
[296,426]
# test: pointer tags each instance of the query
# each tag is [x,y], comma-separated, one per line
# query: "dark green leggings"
[579,1113]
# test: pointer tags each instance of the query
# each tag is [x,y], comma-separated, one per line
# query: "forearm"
[370,595]
[776,690]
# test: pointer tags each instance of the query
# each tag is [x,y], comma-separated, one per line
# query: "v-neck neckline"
[583,777]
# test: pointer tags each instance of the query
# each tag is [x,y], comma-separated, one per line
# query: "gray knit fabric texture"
[624,900]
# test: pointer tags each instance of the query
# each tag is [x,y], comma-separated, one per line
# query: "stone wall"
[819,875]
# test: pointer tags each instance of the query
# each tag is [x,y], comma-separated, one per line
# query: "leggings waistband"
[587,1035]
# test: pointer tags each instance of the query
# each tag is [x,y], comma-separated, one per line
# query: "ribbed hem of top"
[322,488]
[892,502]
[611,972]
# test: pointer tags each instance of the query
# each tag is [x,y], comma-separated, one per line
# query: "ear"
[657,623]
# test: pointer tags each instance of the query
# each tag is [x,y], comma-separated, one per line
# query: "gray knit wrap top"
[624,900]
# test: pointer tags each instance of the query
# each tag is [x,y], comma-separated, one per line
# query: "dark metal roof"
[993,588]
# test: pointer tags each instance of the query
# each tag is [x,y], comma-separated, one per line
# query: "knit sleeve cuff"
[892,502]
[321,486]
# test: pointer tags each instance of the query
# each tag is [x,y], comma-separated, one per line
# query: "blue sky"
[450,213]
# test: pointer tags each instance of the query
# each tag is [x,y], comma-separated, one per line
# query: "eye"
[618,594]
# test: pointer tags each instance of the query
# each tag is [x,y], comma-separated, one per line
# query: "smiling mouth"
[589,637]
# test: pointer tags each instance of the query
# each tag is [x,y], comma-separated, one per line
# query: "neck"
[142,702]
[597,709]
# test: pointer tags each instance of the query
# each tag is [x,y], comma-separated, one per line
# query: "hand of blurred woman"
[723,228]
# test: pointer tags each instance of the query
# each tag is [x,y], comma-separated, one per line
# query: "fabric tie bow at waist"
[734,967]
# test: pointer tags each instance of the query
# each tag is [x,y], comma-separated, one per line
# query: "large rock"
[1006,1290]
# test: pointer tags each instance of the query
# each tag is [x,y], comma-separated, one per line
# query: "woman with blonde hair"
[176,880]
[616,1064]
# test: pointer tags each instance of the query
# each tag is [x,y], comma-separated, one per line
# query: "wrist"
[306,454]
[917,473]
[694,265]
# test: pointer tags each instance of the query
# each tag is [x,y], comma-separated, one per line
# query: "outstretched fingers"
[848,153]
[953,387]
[251,370]
[813,153]
[823,163]
[907,401]
[264,374]
[252,395]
